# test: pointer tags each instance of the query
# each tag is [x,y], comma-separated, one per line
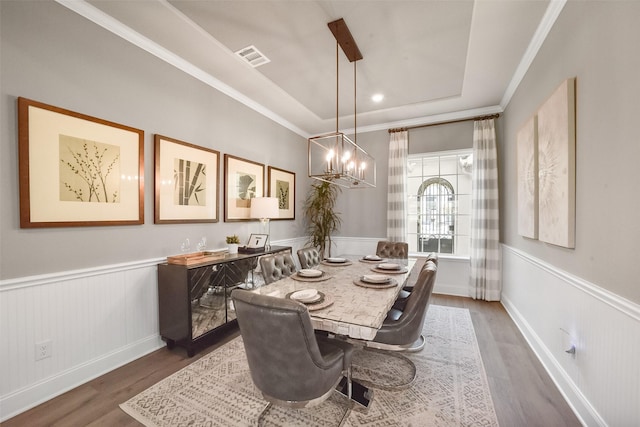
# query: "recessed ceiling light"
[377,97]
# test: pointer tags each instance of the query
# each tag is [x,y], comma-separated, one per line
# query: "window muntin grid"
[439,202]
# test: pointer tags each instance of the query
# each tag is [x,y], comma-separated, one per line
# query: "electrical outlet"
[569,343]
[43,349]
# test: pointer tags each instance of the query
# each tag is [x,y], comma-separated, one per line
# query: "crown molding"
[95,15]
[547,22]
[111,24]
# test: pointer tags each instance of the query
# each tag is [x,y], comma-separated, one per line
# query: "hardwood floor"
[523,394]
[522,391]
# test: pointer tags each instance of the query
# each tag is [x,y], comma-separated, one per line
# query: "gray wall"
[453,136]
[53,55]
[364,212]
[597,42]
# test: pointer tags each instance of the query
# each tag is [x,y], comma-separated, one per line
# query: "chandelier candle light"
[264,209]
[334,157]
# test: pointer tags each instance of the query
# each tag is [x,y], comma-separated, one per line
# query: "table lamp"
[264,209]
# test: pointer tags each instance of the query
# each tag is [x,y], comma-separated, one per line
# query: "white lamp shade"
[264,207]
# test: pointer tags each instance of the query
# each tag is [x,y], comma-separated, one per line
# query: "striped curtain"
[397,187]
[485,233]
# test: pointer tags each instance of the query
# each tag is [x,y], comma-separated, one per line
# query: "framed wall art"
[556,167]
[527,175]
[243,180]
[77,170]
[257,241]
[282,184]
[186,181]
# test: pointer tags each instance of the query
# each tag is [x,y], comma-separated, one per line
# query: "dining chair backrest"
[419,298]
[407,328]
[275,267]
[433,256]
[398,250]
[309,257]
[285,366]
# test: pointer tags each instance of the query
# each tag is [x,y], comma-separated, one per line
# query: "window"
[439,202]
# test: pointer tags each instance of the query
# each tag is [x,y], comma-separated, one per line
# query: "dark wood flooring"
[523,394]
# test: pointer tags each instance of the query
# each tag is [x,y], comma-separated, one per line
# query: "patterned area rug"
[451,387]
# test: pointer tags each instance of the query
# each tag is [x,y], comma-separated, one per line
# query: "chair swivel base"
[271,401]
[414,347]
[361,395]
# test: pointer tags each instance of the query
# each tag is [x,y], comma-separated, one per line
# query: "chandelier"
[334,157]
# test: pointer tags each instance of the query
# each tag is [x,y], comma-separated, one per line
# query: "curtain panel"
[485,232]
[397,187]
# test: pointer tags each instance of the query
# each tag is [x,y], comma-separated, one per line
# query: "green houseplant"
[320,215]
[232,244]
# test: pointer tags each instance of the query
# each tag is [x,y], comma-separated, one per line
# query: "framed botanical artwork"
[76,170]
[186,182]
[282,184]
[243,180]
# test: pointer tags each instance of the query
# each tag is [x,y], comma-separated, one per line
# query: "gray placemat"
[385,271]
[336,264]
[299,278]
[390,284]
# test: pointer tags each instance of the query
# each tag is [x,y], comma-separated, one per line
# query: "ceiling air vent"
[253,56]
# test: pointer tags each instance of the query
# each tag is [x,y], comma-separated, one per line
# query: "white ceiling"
[433,60]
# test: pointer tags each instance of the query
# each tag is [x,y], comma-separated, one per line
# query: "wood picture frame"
[243,180]
[77,170]
[282,185]
[186,182]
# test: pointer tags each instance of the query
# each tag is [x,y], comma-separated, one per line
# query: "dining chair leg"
[264,412]
[346,414]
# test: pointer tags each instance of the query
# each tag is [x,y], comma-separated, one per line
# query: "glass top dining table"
[349,306]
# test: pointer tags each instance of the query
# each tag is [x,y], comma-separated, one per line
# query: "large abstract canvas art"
[556,167]
[527,173]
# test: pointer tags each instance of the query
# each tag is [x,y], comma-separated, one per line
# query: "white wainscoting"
[97,320]
[602,381]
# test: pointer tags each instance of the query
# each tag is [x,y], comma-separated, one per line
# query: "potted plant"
[232,244]
[320,216]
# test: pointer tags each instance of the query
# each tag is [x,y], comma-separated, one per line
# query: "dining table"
[349,306]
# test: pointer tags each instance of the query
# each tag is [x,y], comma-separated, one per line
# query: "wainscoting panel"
[95,319]
[555,310]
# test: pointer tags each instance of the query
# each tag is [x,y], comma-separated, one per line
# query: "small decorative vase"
[233,248]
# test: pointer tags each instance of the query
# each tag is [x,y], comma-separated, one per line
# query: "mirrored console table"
[195,300]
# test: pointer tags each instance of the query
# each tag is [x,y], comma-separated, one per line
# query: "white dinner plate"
[309,272]
[305,295]
[389,266]
[373,258]
[375,278]
[336,260]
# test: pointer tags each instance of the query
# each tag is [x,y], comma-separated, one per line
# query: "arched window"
[436,216]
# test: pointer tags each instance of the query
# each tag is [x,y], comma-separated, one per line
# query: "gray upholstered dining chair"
[401,300]
[309,257]
[293,369]
[398,250]
[275,267]
[402,330]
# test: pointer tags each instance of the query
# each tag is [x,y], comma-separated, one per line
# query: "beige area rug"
[451,387]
